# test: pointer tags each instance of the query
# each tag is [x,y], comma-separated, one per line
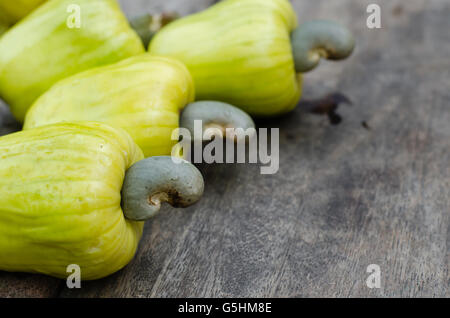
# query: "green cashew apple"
[143,94]
[250,53]
[77,193]
[44,48]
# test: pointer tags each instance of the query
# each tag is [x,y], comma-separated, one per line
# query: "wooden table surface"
[345,196]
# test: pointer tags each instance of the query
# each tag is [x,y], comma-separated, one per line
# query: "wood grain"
[345,196]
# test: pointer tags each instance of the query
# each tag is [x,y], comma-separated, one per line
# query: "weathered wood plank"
[345,196]
[13,285]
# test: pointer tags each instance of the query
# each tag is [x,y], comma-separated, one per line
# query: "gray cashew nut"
[216,115]
[318,39]
[154,180]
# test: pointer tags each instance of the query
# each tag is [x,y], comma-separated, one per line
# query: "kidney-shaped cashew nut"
[216,115]
[155,180]
[318,39]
